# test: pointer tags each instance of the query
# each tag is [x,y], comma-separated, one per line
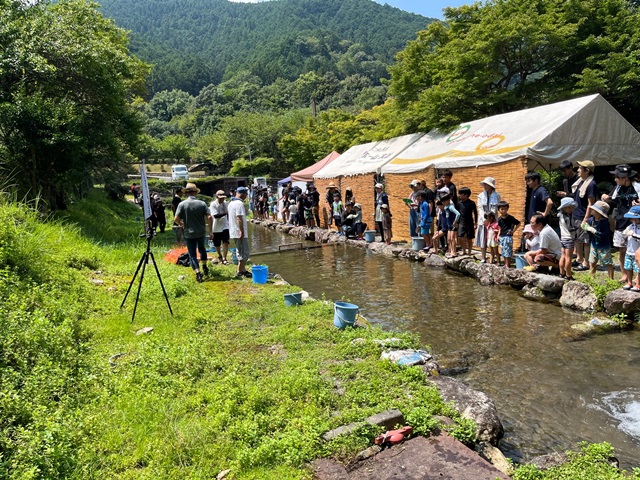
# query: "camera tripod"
[143,263]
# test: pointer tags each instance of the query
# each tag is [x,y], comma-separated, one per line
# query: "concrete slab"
[440,457]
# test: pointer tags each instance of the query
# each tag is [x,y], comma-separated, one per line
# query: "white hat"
[384,205]
[489,181]
[378,185]
[414,183]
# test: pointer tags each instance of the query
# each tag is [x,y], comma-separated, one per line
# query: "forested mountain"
[194,43]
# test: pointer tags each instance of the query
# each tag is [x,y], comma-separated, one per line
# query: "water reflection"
[550,393]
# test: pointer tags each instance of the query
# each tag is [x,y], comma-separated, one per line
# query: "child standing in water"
[386,223]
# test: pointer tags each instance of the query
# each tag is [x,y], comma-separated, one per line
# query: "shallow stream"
[550,392]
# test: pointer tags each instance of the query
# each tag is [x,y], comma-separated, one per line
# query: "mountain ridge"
[209,40]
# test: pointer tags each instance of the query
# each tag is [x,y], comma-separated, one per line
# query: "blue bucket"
[345,314]
[259,273]
[293,299]
[234,256]
[520,261]
[370,235]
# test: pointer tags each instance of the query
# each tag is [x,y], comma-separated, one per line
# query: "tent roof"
[367,158]
[306,174]
[579,129]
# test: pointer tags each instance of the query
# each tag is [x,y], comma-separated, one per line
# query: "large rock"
[455,263]
[517,278]
[437,457]
[485,274]
[474,405]
[434,260]
[548,283]
[471,268]
[578,296]
[622,301]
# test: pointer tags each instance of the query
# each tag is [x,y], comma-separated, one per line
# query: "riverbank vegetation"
[233,380]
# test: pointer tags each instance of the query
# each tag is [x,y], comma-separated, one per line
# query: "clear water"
[551,392]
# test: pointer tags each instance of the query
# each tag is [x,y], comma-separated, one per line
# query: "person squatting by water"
[193,216]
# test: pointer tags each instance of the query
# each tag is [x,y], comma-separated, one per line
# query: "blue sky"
[428,8]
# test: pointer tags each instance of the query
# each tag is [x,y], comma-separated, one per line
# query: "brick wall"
[509,183]
[362,187]
[397,188]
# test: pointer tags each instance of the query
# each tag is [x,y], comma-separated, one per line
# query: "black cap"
[566,164]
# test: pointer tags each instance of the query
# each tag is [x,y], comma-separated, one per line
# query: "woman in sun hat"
[488,201]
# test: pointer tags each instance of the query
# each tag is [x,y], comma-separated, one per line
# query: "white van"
[260,181]
[179,172]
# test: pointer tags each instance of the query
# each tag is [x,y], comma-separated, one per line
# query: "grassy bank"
[233,380]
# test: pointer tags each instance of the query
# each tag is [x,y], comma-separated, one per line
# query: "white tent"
[367,158]
[579,129]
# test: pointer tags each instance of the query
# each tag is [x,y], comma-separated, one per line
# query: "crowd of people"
[590,223]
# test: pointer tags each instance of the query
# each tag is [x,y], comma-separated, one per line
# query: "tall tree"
[66,81]
[504,55]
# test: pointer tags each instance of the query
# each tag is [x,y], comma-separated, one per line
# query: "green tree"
[66,81]
[506,55]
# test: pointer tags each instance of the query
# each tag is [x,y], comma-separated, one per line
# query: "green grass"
[233,380]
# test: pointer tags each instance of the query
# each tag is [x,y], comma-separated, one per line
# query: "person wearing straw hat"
[193,216]
[600,234]
[220,231]
[621,199]
[568,230]
[488,201]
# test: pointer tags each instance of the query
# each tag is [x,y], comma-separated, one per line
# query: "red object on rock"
[393,437]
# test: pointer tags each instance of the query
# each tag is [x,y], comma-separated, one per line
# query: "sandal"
[634,289]
[225,262]
[627,286]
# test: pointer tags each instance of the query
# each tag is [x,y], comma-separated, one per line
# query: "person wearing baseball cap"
[585,193]
[622,198]
[220,231]
[238,230]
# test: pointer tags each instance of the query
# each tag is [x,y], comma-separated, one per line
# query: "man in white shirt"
[550,251]
[220,231]
[238,229]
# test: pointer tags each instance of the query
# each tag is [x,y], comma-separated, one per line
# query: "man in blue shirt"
[540,201]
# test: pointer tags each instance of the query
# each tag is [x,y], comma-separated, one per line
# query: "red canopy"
[306,174]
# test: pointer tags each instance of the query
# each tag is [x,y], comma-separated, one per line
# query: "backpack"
[183,260]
